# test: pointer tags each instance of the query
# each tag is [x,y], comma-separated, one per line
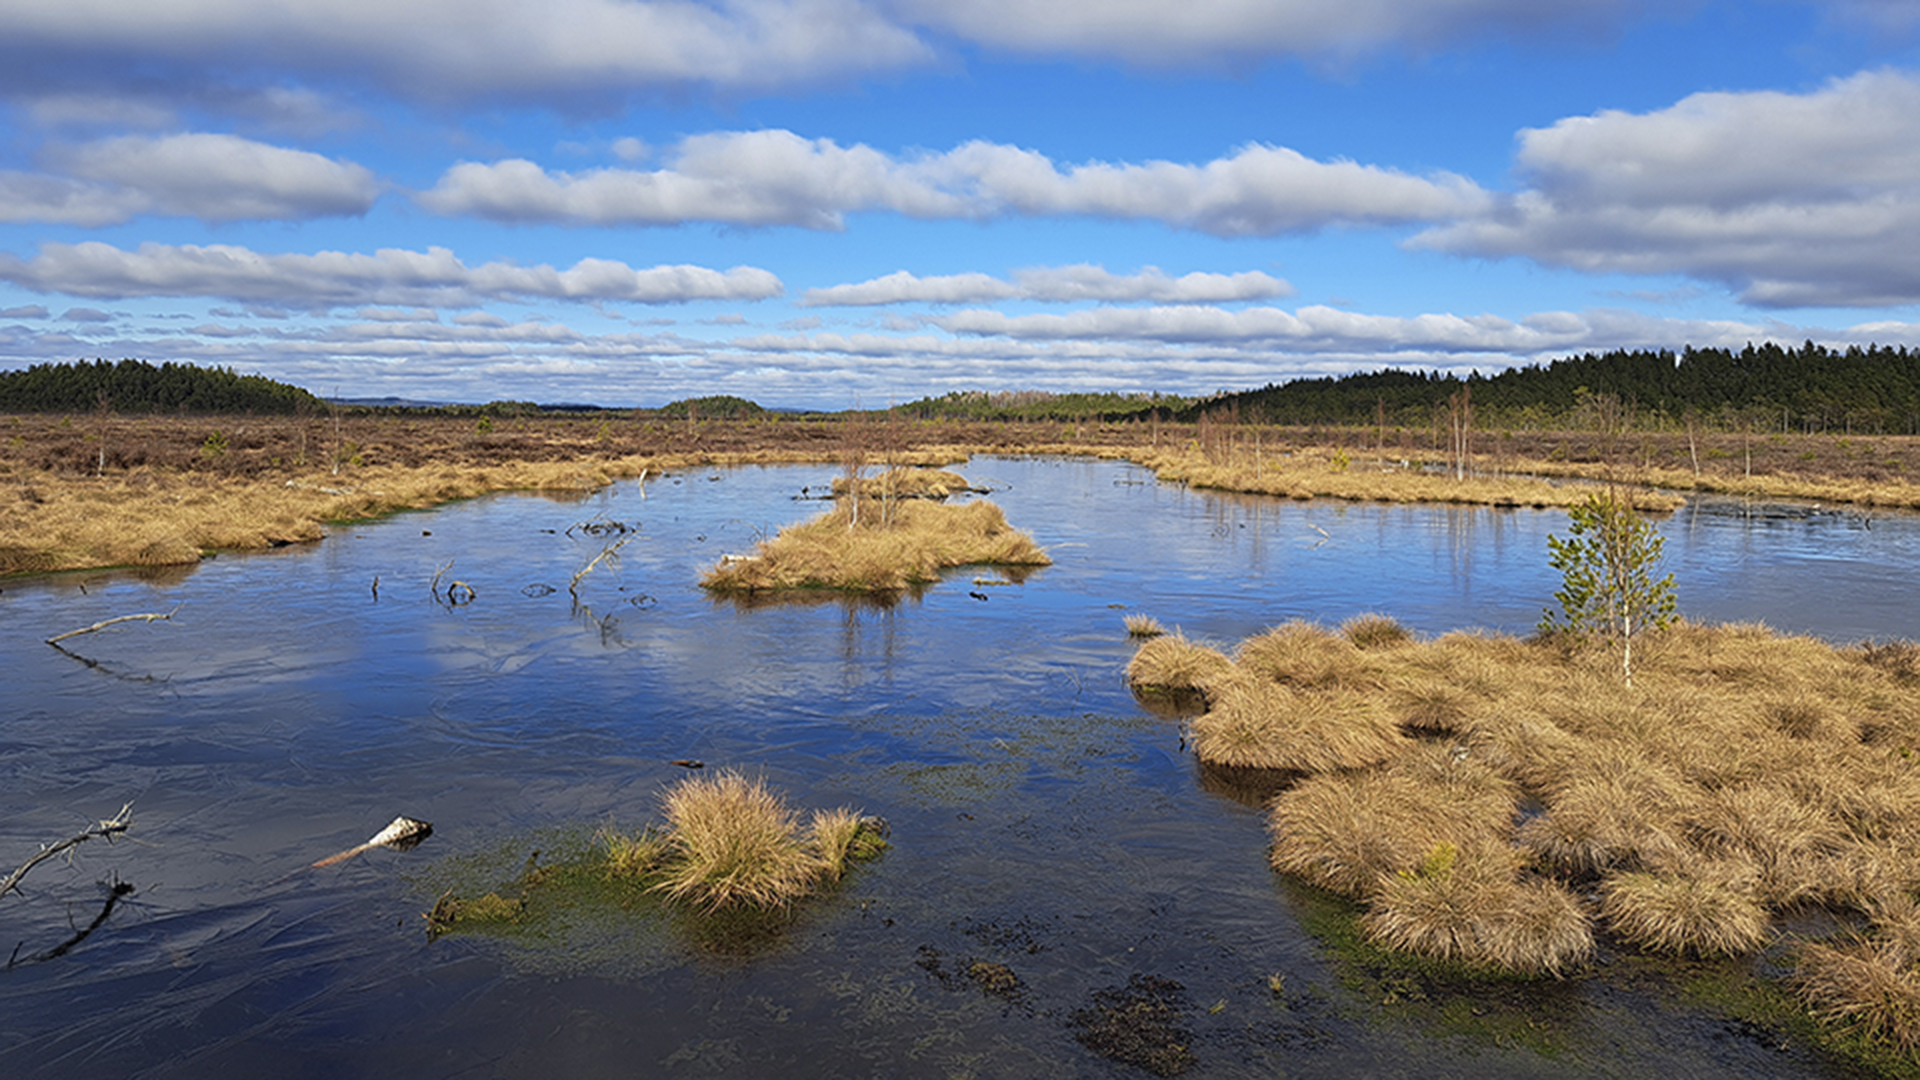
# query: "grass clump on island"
[875,546]
[732,857]
[1496,802]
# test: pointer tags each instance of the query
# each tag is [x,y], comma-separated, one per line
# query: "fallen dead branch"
[400,834]
[104,623]
[610,554]
[109,828]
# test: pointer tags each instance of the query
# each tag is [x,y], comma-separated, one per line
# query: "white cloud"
[1790,199]
[1213,31]
[27,311]
[432,278]
[561,52]
[1058,284]
[215,178]
[775,177]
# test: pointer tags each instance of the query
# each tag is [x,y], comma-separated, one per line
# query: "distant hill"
[135,386]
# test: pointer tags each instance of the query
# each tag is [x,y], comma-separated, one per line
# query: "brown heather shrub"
[1711,910]
[1264,726]
[1476,911]
[1304,655]
[1375,631]
[1174,662]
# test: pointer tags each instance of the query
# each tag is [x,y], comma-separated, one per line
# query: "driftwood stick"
[118,823]
[104,623]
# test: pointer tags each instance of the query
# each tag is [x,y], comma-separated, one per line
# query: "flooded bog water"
[1058,861]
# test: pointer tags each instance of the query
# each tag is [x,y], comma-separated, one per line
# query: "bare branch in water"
[109,828]
[610,553]
[104,623]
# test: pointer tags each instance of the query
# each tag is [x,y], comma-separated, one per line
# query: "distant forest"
[1765,387]
[135,386]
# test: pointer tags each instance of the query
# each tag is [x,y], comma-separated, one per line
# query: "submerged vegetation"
[1498,802]
[860,547]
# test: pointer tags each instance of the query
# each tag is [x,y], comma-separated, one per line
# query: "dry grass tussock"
[1179,664]
[1743,775]
[730,841]
[1143,626]
[1472,907]
[868,554]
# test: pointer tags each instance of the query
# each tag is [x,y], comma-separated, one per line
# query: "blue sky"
[818,202]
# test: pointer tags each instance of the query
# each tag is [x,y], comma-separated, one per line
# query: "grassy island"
[871,545]
[1502,803]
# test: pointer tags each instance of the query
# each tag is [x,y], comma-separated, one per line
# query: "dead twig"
[609,554]
[104,623]
[109,828]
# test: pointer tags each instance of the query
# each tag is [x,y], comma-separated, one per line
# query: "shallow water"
[1040,818]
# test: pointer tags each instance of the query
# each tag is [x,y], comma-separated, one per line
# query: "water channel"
[1040,818]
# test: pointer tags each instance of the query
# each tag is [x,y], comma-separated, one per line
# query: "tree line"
[1762,387]
[135,386]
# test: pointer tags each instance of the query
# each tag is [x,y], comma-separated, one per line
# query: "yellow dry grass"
[905,483]
[1257,724]
[154,518]
[1318,472]
[911,546]
[1714,909]
[1744,774]
[1176,663]
[1473,908]
[731,841]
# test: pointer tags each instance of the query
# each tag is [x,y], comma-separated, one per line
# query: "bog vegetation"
[1496,801]
[731,849]
[874,542]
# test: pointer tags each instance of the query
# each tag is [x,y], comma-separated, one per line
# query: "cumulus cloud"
[775,177]
[28,311]
[215,178]
[433,278]
[1059,284]
[1790,199]
[560,52]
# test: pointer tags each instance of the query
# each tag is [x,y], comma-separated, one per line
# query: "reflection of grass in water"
[1476,1004]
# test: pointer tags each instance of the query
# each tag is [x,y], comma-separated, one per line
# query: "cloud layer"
[775,177]
[431,278]
[1059,284]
